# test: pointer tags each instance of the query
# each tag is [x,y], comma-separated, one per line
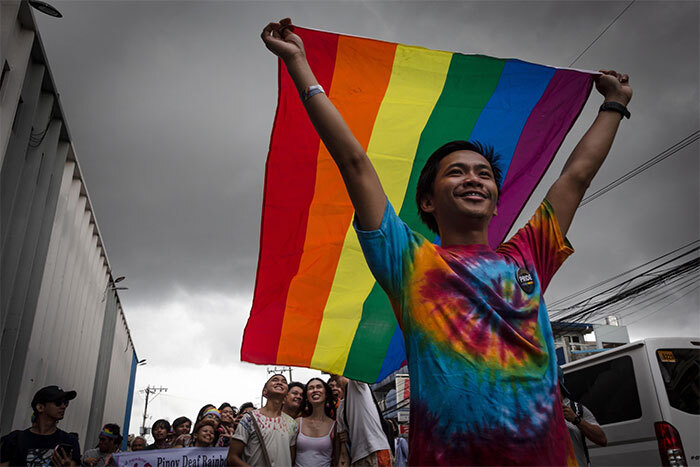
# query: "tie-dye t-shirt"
[480,348]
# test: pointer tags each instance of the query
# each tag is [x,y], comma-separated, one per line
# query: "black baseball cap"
[52,394]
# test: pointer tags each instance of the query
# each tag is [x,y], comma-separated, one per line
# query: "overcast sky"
[170,106]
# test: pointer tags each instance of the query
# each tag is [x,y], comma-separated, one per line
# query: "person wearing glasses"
[108,443]
[43,443]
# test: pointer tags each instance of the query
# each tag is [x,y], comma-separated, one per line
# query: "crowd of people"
[323,422]
[333,422]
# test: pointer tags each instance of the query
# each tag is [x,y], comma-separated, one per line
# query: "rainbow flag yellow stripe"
[316,303]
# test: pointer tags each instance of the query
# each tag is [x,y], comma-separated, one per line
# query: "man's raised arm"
[588,155]
[361,180]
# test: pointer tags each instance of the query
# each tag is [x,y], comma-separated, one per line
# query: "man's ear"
[426,204]
[40,407]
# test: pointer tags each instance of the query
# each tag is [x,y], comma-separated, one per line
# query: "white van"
[646,396]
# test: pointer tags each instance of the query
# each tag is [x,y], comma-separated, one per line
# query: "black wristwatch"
[615,107]
[577,420]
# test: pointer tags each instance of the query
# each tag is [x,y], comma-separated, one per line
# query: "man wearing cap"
[43,443]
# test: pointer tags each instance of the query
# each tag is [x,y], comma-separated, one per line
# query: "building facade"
[574,341]
[61,317]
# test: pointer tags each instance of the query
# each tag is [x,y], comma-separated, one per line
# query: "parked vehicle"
[646,396]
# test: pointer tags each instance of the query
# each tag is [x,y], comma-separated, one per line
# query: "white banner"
[183,457]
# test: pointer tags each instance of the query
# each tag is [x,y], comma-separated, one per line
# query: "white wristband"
[311,91]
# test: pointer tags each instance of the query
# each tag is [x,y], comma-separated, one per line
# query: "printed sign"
[666,356]
[184,457]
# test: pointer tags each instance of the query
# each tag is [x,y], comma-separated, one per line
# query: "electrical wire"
[557,312]
[648,297]
[606,281]
[663,296]
[644,300]
[668,152]
[603,32]
[665,306]
[658,280]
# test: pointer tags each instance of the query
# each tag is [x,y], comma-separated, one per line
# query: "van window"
[608,389]
[680,369]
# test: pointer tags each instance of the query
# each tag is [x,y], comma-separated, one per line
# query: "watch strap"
[615,107]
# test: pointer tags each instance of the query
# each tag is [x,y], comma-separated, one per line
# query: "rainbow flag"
[316,303]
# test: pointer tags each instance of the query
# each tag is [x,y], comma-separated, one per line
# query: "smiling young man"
[278,430]
[295,396]
[478,339]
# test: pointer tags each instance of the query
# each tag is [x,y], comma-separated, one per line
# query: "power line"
[684,284]
[656,281]
[556,312]
[603,32]
[595,286]
[665,306]
[648,298]
[668,152]
[586,308]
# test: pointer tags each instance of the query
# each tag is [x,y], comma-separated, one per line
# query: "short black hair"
[295,384]
[226,404]
[246,405]
[426,180]
[181,421]
[161,422]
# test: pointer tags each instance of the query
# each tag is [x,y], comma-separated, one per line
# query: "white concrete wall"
[65,339]
[120,371]
[613,334]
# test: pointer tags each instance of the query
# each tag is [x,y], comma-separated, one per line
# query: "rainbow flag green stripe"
[315,303]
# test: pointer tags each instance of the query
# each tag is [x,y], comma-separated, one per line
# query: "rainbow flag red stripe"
[315,303]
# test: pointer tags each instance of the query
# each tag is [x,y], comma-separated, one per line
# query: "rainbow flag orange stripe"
[315,303]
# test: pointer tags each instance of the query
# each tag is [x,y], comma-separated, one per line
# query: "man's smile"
[472,195]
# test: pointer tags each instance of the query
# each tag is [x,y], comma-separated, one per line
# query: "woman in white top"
[316,426]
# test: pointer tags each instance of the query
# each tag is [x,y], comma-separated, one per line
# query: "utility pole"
[149,390]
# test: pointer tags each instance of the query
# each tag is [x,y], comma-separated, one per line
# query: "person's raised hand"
[614,86]
[280,39]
